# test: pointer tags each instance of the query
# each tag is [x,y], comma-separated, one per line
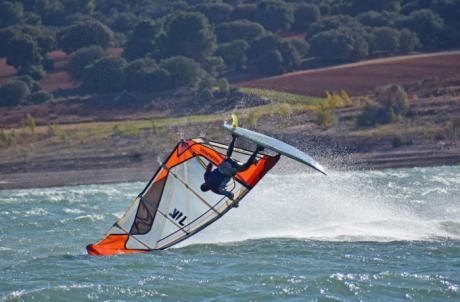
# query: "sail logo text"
[176,215]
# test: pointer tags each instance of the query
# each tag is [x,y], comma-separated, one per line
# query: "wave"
[345,206]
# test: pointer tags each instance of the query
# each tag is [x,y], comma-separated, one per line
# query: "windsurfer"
[217,179]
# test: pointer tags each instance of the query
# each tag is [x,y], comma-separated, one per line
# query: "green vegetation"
[13,93]
[392,104]
[279,96]
[84,34]
[216,38]
[30,123]
[82,58]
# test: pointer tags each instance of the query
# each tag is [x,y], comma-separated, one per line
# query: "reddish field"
[361,78]
[56,79]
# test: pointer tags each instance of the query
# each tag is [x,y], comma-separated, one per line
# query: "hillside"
[363,77]
[123,145]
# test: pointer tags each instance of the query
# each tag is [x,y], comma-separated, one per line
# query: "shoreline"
[142,171]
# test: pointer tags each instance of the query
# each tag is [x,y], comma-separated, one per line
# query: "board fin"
[234,121]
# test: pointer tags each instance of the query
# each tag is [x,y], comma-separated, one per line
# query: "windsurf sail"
[172,207]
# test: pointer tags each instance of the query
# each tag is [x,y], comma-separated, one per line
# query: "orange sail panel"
[172,207]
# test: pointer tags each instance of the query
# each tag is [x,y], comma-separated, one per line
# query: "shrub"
[397,142]
[368,117]
[13,93]
[252,119]
[284,110]
[324,116]
[39,97]
[82,58]
[7,139]
[395,98]
[30,123]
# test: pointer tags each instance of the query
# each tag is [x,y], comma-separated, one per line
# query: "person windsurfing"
[217,179]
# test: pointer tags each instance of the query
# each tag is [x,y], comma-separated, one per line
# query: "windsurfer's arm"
[208,168]
[231,146]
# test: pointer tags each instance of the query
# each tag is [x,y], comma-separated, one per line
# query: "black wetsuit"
[218,178]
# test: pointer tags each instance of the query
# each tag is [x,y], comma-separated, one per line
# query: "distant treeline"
[172,44]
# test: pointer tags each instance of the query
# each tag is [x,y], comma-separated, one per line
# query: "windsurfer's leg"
[224,192]
[251,160]
[231,146]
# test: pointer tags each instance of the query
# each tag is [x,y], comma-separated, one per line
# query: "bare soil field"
[361,78]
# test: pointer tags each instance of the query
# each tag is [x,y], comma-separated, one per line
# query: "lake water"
[389,235]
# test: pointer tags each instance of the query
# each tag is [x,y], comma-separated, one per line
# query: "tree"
[234,53]
[291,58]
[6,34]
[184,72]
[105,75]
[373,18]
[144,40]
[301,46]
[359,6]
[82,58]
[284,55]
[43,36]
[426,24]
[244,12]
[213,65]
[32,84]
[274,15]
[85,7]
[22,52]
[39,97]
[11,12]
[271,62]
[304,15]
[13,93]
[124,22]
[339,45]
[408,41]
[239,30]
[190,35]
[84,35]
[384,40]
[137,74]
[51,12]
[32,19]
[332,22]
[267,43]
[215,12]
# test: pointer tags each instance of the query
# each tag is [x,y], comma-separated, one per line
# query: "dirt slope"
[361,78]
